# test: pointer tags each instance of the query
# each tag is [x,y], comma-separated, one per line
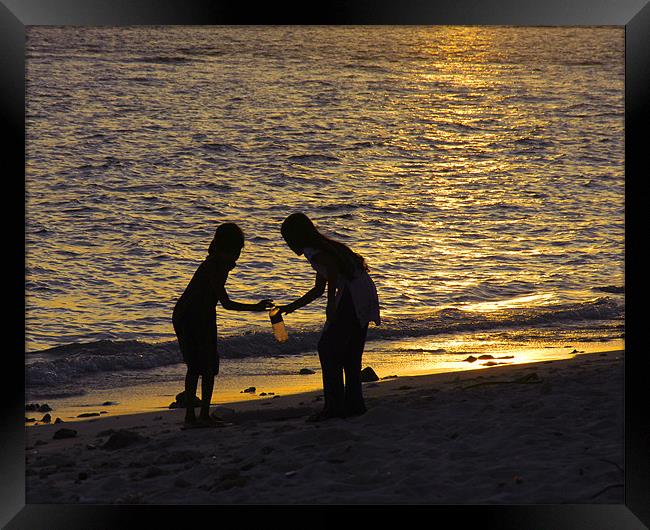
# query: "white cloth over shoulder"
[362,290]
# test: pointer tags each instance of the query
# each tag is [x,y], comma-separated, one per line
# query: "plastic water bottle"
[279,331]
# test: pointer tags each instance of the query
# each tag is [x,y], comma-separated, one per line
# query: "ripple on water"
[462,174]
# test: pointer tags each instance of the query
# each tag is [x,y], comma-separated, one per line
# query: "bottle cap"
[275,316]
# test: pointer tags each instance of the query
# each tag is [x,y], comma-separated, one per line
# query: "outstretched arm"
[218,282]
[227,303]
[332,271]
[315,292]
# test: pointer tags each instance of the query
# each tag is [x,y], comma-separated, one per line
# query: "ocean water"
[479,170]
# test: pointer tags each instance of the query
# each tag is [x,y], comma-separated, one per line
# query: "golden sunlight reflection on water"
[474,167]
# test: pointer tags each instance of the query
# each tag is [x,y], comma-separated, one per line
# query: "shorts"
[198,345]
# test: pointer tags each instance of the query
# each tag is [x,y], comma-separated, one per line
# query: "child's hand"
[285,309]
[264,305]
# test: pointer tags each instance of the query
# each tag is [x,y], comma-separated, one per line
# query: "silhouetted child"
[195,321]
[351,304]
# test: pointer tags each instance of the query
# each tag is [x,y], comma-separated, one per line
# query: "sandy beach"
[549,432]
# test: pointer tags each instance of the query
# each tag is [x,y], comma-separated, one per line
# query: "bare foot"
[209,421]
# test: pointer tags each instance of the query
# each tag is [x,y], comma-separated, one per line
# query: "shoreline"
[239,400]
[159,391]
[556,435]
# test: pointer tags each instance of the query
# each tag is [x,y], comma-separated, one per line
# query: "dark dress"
[195,317]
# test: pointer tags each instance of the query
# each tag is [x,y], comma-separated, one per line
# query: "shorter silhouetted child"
[195,321]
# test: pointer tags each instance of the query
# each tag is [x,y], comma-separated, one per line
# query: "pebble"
[121,439]
[368,375]
[64,433]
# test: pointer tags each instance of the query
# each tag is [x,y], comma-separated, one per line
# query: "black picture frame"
[15,15]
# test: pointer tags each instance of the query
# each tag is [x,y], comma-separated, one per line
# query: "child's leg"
[354,404]
[332,371]
[191,381]
[207,385]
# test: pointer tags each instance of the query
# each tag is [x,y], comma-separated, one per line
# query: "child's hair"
[227,236]
[299,231]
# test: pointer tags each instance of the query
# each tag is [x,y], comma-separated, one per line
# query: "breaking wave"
[63,364]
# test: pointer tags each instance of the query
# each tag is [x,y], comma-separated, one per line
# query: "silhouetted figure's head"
[227,242]
[299,232]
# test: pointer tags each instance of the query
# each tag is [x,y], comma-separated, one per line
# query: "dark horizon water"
[478,169]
